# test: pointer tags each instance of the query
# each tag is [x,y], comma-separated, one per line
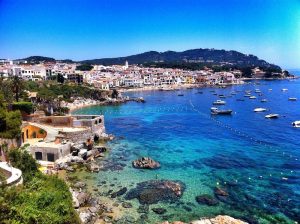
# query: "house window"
[50,157]
[38,156]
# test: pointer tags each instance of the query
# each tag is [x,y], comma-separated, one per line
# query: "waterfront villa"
[51,137]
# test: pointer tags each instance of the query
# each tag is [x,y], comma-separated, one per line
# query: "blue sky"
[89,29]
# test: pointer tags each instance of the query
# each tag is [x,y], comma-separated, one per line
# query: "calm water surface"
[256,160]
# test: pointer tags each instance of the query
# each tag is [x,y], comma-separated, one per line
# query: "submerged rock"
[159,211]
[153,191]
[207,200]
[143,209]
[220,192]
[119,193]
[126,205]
[145,163]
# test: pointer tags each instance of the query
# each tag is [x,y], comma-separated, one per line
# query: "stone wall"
[79,136]
[57,120]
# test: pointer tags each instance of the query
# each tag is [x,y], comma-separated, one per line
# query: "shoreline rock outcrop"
[220,219]
[145,163]
[154,191]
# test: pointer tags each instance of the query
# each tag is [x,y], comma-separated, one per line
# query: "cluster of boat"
[217,111]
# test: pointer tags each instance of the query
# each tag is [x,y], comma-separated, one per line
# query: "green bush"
[26,107]
[22,160]
[10,123]
[45,199]
[41,199]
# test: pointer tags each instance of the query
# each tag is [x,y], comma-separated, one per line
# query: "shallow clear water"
[256,160]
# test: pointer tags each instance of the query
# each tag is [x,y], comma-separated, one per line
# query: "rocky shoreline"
[94,209]
[220,219]
[88,103]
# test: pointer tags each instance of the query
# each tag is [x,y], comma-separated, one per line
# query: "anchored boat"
[219,102]
[292,99]
[216,111]
[272,116]
[296,124]
[259,109]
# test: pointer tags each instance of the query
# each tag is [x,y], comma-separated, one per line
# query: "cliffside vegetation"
[50,90]
[41,199]
[10,121]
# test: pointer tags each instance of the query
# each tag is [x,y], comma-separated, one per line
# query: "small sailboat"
[252,97]
[284,90]
[264,100]
[272,116]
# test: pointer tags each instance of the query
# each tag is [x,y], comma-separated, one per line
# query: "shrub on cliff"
[41,199]
[26,107]
[10,121]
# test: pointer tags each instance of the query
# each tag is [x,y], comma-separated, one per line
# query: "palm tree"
[17,86]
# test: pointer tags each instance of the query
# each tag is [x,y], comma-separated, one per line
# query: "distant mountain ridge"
[203,56]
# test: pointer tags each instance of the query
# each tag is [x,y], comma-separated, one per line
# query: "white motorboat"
[296,124]
[219,102]
[247,95]
[272,116]
[259,109]
[283,90]
[292,99]
[264,100]
[252,97]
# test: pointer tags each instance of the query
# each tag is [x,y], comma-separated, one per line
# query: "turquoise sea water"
[256,160]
